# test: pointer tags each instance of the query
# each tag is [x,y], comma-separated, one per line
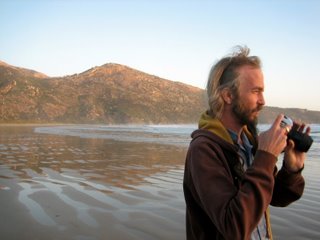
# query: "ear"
[227,96]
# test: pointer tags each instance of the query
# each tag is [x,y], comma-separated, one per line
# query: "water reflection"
[119,164]
[74,183]
[114,186]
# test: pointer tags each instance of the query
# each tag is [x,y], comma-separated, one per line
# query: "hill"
[108,94]
[268,114]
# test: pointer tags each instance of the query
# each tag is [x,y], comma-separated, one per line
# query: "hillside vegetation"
[108,94]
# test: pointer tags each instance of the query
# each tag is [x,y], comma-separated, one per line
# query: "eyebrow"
[258,88]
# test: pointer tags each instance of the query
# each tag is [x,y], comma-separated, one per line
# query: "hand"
[273,140]
[293,159]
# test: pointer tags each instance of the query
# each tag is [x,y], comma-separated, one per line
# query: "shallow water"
[55,186]
[114,182]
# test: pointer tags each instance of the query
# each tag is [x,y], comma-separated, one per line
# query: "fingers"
[301,127]
[295,126]
[277,121]
[274,140]
[278,124]
[290,144]
[308,130]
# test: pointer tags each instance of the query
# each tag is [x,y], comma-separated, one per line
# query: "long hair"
[224,74]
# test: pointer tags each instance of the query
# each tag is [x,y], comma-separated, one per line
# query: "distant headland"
[108,94]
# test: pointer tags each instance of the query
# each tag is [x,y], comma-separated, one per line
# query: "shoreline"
[56,187]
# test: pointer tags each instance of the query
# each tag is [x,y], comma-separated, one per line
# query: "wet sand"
[58,187]
[85,213]
[55,186]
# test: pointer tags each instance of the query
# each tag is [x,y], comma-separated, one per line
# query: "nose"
[261,100]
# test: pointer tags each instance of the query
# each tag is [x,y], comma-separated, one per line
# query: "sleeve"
[235,211]
[288,187]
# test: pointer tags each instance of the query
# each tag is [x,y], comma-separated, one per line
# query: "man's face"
[249,100]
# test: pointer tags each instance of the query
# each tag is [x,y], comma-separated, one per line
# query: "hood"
[215,126]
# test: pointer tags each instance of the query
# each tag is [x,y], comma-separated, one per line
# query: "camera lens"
[302,141]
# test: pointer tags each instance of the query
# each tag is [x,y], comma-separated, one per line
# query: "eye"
[257,90]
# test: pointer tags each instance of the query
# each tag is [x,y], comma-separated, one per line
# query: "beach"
[114,182]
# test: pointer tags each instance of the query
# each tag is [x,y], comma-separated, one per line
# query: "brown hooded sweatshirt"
[222,200]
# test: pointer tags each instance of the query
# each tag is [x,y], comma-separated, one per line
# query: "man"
[230,173]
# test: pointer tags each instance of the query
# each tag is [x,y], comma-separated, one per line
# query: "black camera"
[302,141]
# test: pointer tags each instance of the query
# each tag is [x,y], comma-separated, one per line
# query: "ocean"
[116,182]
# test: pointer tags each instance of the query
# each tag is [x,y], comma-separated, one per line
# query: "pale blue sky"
[176,40]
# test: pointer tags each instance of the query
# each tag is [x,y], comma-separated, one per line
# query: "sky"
[177,40]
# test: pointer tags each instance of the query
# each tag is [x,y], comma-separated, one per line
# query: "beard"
[246,115]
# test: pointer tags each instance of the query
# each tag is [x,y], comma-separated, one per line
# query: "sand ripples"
[87,183]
